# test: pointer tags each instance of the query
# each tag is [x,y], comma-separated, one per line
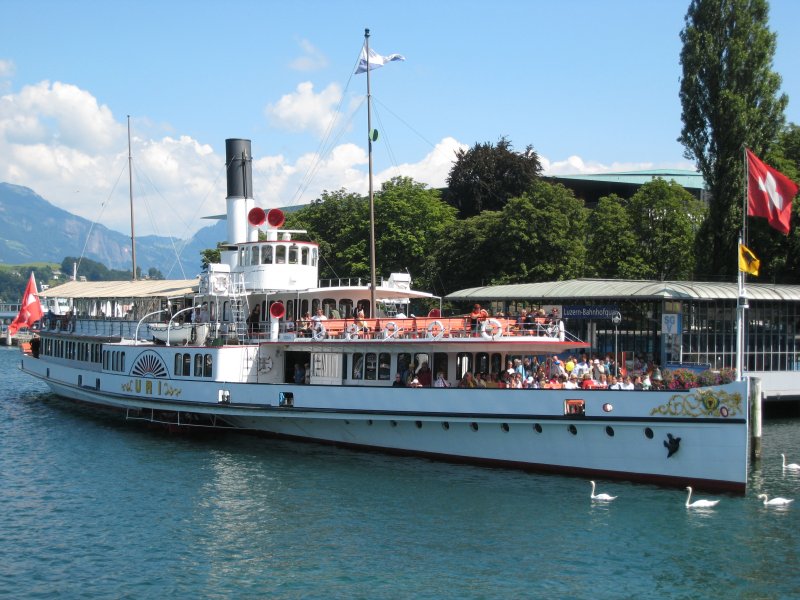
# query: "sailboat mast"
[130,192]
[373,311]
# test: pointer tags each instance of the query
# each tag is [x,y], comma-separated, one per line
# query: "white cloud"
[311,60]
[7,67]
[304,110]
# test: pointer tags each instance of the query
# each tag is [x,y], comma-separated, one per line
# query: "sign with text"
[589,312]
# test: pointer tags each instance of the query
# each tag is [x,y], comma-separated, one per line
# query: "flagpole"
[741,303]
[373,312]
[130,193]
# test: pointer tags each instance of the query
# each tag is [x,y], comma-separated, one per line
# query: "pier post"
[755,418]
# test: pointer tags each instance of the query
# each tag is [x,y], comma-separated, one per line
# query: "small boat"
[181,334]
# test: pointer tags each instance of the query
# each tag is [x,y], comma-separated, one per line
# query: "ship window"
[187,364]
[266,255]
[178,364]
[290,316]
[497,363]
[241,256]
[344,366]
[207,371]
[384,366]
[280,254]
[313,257]
[403,364]
[304,255]
[482,362]
[329,308]
[346,308]
[372,367]
[303,308]
[358,366]
[314,306]
[463,364]
[198,365]
[293,254]
[254,256]
[440,364]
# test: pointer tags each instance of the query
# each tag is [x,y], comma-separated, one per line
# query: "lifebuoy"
[390,330]
[432,330]
[319,331]
[352,331]
[496,329]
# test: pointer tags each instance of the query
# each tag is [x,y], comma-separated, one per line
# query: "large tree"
[665,218]
[486,176]
[613,248]
[729,98]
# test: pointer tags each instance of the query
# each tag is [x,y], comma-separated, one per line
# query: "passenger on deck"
[571,383]
[441,382]
[627,384]
[398,381]
[467,381]
[480,381]
[299,374]
[360,320]
[424,375]
[304,326]
[253,321]
[477,315]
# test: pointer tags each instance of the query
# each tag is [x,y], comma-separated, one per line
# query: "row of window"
[71,349]
[203,365]
[278,253]
[374,366]
[114,360]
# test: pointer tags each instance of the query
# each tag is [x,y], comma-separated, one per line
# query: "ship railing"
[347,282]
[434,328]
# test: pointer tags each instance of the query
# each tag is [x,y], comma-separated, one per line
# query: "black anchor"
[672,444]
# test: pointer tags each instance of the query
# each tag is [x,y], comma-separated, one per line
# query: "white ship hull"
[622,434]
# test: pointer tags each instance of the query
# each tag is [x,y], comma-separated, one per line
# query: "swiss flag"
[769,193]
[30,310]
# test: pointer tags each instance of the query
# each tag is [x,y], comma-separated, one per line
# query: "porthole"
[346,422]
[418,424]
[445,425]
[610,431]
[504,427]
[537,428]
[369,421]
[648,433]
[473,426]
[394,423]
[572,429]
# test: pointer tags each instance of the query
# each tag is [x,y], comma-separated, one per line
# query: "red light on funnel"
[275,217]
[256,217]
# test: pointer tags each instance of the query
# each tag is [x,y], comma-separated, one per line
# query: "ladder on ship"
[240,307]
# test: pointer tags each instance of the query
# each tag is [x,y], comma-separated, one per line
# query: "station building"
[671,323]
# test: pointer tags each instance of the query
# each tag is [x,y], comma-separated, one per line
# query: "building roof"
[162,288]
[685,178]
[626,288]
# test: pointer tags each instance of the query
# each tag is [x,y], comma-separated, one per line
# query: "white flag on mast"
[375,60]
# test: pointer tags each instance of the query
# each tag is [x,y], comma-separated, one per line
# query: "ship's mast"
[130,192]
[373,311]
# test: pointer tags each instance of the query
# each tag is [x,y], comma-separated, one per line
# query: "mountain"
[32,229]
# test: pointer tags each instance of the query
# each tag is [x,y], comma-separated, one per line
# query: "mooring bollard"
[755,418]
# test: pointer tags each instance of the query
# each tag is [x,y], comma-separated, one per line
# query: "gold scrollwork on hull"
[701,403]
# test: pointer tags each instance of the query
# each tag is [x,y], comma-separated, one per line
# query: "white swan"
[600,497]
[699,503]
[775,501]
[792,466]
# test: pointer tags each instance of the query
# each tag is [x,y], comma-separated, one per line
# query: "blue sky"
[592,86]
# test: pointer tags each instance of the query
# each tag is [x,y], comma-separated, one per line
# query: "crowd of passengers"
[580,372]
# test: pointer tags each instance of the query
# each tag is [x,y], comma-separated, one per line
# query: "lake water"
[97,507]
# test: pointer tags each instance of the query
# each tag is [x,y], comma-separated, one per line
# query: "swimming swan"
[699,503]
[775,501]
[792,466]
[601,497]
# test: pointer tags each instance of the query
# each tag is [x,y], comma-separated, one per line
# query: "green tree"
[410,221]
[612,245]
[729,98]
[486,176]
[211,255]
[664,218]
[468,255]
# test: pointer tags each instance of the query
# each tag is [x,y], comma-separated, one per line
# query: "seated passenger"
[441,382]
[467,381]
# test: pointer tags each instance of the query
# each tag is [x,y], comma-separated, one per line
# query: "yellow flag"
[748,261]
